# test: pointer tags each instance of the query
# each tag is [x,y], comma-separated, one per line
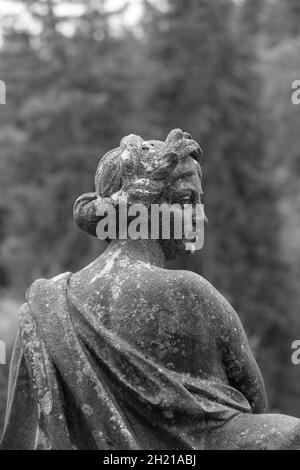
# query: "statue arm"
[241,367]
[21,413]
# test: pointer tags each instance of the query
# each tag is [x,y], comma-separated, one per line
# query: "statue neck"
[147,251]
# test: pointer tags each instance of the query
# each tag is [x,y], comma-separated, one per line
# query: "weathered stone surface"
[126,354]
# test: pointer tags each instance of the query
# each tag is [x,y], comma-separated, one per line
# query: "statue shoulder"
[203,293]
[193,283]
[43,286]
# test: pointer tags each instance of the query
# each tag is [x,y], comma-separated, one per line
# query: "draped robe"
[76,385]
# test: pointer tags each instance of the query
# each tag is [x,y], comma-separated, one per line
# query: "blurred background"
[82,74]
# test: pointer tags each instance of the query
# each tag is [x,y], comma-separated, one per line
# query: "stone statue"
[126,354]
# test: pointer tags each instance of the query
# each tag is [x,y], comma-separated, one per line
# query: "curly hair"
[138,171]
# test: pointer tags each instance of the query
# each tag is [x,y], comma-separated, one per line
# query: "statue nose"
[145,146]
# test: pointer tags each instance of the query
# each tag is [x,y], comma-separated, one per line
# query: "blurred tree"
[3,272]
[252,16]
[281,20]
[280,66]
[293,10]
[70,99]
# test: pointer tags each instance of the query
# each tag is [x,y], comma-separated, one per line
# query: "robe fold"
[76,385]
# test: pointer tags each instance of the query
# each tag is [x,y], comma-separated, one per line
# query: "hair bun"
[84,212]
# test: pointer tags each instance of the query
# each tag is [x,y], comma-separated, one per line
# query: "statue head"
[143,172]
